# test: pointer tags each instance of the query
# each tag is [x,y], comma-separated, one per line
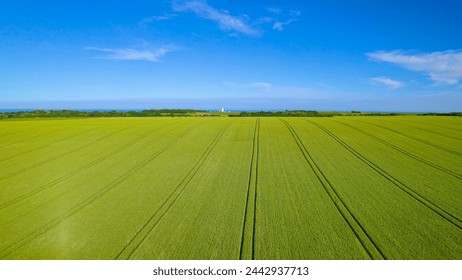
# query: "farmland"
[231,188]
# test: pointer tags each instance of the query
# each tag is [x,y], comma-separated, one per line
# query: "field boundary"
[143,232]
[92,198]
[368,244]
[247,249]
[424,201]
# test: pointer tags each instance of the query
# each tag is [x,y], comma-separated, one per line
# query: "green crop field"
[231,188]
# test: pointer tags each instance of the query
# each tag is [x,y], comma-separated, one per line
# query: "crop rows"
[231,188]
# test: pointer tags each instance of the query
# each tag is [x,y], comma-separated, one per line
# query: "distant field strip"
[231,188]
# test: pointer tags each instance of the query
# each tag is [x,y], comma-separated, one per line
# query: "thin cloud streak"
[279,26]
[392,84]
[444,68]
[274,10]
[260,85]
[295,13]
[132,54]
[152,19]
[223,18]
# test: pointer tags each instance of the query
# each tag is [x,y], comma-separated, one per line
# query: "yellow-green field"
[231,188]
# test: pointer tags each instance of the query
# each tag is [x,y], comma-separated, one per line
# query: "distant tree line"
[372,114]
[189,113]
[113,113]
[456,114]
[303,113]
[286,113]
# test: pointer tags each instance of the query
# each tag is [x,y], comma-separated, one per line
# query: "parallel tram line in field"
[418,139]
[430,205]
[143,232]
[77,171]
[247,249]
[369,245]
[89,200]
[254,228]
[46,145]
[30,137]
[68,152]
[429,163]
[13,133]
[49,144]
[9,134]
[213,188]
[439,134]
[443,126]
[451,128]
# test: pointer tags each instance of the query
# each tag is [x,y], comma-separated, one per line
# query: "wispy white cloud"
[222,17]
[241,24]
[132,54]
[274,10]
[444,68]
[278,25]
[392,84]
[295,13]
[261,20]
[260,85]
[149,20]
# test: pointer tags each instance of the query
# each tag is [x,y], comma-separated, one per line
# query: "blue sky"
[264,55]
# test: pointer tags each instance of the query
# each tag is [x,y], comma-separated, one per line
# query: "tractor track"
[251,200]
[77,171]
[89,200]
[430,205]
[366,241]
[143,232]
[418,139]
[46,145]
[48,160]
[411,155]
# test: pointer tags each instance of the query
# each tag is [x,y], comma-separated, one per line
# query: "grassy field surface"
[231,188]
